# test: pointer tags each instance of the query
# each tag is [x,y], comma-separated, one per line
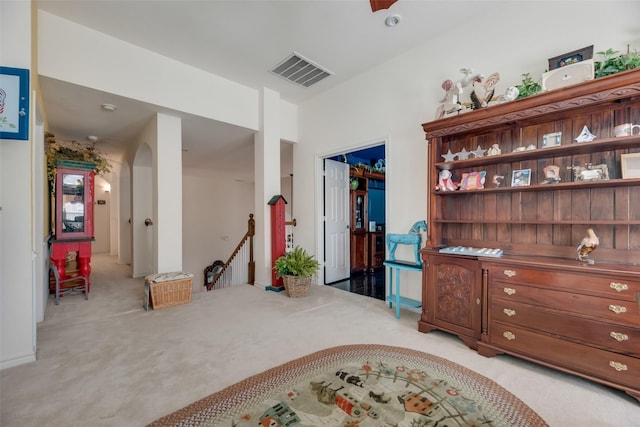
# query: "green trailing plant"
[528,86]
[297,262]
[613,62]
[56,150]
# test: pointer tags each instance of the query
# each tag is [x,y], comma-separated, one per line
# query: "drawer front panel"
[615,287]
[617,368]
[617,311]
[617,338]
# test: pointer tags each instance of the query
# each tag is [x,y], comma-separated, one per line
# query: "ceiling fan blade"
[381,4]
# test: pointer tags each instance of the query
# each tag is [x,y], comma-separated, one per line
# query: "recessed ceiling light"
[109,107]
[392,20]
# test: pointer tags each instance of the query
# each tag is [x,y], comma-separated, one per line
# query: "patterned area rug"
[360,385]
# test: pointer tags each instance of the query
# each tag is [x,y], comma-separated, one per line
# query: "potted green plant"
[57,150]
[612,62]
[296,268]
[528,86]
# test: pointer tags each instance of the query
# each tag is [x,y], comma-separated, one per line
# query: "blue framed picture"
[571,58]
[14,103]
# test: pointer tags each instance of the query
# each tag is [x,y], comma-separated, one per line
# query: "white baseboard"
[17,361]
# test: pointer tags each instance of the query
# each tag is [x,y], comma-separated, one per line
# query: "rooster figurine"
[588,245]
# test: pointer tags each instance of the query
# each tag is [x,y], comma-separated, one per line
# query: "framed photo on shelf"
[551,139]
[14,103]
[473,180]
[551,174]
[630,165]
[521,178]
[571,57]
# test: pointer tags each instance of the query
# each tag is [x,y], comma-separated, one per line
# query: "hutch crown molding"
[538,301]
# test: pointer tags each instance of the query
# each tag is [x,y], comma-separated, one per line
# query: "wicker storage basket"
[297,286]
[169,289]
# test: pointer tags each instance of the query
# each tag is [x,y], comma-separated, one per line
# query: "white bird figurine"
[588,245]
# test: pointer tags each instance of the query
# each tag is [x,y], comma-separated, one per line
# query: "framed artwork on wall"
[14,103]
[571,57]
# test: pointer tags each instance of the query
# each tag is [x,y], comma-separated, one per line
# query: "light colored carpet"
[107,362]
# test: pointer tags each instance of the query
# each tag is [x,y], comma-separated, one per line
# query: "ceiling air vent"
[300,70]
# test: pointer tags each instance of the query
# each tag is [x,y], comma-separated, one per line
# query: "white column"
[267,180]
[167,172]
[17,216]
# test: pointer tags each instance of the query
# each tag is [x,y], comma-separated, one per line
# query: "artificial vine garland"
[64,150]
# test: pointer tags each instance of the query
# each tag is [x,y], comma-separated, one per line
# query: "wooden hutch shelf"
[538,301]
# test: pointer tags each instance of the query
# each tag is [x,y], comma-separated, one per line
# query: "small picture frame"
[14,103]
[552,139]
[521,178]
[473,180]
[630,164]
[571,57]
[551,174]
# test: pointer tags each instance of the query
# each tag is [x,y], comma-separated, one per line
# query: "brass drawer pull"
[510,336]
[618,366]
[510,312]
[509,291]
[509,273]
[617,309]
[618,286]
[619,336]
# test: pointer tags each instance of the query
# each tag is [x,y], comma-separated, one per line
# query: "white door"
[336,221]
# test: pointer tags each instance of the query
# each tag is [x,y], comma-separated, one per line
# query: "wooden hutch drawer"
[591,362]
[616,311]
[617,287]
[617,338]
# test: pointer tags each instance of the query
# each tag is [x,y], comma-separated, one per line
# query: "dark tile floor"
[369,284]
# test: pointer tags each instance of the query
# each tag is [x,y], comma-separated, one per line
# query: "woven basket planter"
[297,286]
[168,289]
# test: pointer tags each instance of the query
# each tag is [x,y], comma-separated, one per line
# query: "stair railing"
[219,275]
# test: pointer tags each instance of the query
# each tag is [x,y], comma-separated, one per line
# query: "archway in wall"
[142,228]
[125,235]
[102,216]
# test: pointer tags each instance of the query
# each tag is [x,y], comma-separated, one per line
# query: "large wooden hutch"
[537,301]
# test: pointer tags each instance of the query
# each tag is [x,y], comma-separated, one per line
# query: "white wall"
[18,251]
[77,54]
[142,194]
[167,210]
[80,55]
[101,217]
[125,213]
[215,217]
[394,99]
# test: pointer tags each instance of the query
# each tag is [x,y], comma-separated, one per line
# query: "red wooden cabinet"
[74,201]
[74,194]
